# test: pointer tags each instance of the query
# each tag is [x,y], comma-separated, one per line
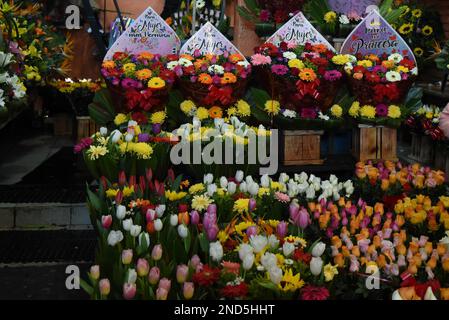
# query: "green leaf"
[86,287]
[94,199]
[102,110]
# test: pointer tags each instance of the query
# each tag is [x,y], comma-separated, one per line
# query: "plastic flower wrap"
[377,81]
[141,81]
[212,80]
[303,78]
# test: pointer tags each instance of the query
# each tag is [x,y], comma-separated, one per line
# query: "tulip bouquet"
[426,121]
[384,80]
[142,81]
[303,78]
[388,181]
[212,80]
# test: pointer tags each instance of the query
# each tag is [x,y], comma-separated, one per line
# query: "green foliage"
[101,110]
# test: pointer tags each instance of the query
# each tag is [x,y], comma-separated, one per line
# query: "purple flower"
[281,229]
[308,113]
[178,71]
[332,75]
[212,232]
[130,83]
[143,137]
[196,53]
[264,15]
[381,110]
[216,79]
[252,204]
[279,69]
[156,127]
[194,217]
[251,231]
[193,79]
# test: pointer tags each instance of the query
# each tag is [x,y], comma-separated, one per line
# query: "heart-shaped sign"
[351,8]
[374,35]
[298,30]
[149,32]
[209,40]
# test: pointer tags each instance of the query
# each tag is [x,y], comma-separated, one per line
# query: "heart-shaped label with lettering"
[298,30]
[150,33]
[374,35]
[352,8]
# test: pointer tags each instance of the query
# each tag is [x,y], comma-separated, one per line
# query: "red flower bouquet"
[139,82]
[300,77]
[212,80]
[384,80]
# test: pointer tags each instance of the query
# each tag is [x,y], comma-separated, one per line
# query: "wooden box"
[62,125]
[301,147]
[86,127]
[423,149]
[442,161]
[374,143]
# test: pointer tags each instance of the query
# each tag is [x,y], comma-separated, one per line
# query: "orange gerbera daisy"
[186,56]
[144,74]
[320,48]
[373,57]
[146,55]
[307,74]
[388,64]
[108,64]
[204,78]
[228,78]
[215,112]
[234,58]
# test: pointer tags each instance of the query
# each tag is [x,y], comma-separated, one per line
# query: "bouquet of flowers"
[426,120]
[303,78]
[380,80]
[141,81]
[212,80]
[268,15]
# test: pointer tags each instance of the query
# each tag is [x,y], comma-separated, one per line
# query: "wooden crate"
[301,147]
[85,127]
[442,161]
[423,149]
[62,125]
[374,143]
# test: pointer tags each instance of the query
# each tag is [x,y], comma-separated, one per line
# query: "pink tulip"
[129,291]
[282,229]
[161,294]
[165,283]
[127,256]
[188,289]
[95,272]
[142,267]
[156,253]
[195,261]
[194,217]
[252,205]
[182,272]
[304,218]
[105,287]
[151,215]
[106,221]
[153,276]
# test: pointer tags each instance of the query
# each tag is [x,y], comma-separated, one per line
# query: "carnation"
[311,292]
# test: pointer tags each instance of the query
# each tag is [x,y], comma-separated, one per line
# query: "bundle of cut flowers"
[388,181]
[212,80]
[303,78]
[426,120]
[141,81]
[12,89]
[383,80]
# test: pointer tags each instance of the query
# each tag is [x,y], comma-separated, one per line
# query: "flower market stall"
[312,168]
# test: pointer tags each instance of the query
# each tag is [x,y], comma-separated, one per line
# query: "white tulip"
[232,187]
[258,243]
[208,178]
[310,192]
[283,177]
[218,122]
[152,214]
[216,251]
[248,261]
[253,189]
[132,276]
[127,224]
[288,248]
[116,136]
[239,176]
[249,180]
[103,131]
[135,230]
[158,225]
[318,249]
[316,265]
[243,187]
[275,275]
[223,182]
[268,260]
[273,241]
[147,238]
[160,209]
[265,181]
[129,137]
[244,250]
[211,189]
[173,220]
[120,212]
[183,231]
[114,237]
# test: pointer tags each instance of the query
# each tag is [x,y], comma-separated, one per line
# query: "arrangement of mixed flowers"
[426,121]
[303,78]
[268,15]
[142,81]
[212,80]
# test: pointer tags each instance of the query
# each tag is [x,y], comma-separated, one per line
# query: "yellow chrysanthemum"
[354,110]
[232,111]
[296,63]
[365,63]
[336,111]
[96,152]
[368,111]
[394,112]
[202,113]
[174,196]
[142,150]
[272,107]
[241,206]
[340,59]
[243,108]
[201,202]
[187,106]
[120,119]
[196,188]
[158,117]
[263,191]
[330,17]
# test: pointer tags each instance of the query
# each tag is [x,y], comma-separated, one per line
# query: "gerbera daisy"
[427,30]
[144,74]
[156,83]
[215,112]
[307,74]
[204,78]
[228,78]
